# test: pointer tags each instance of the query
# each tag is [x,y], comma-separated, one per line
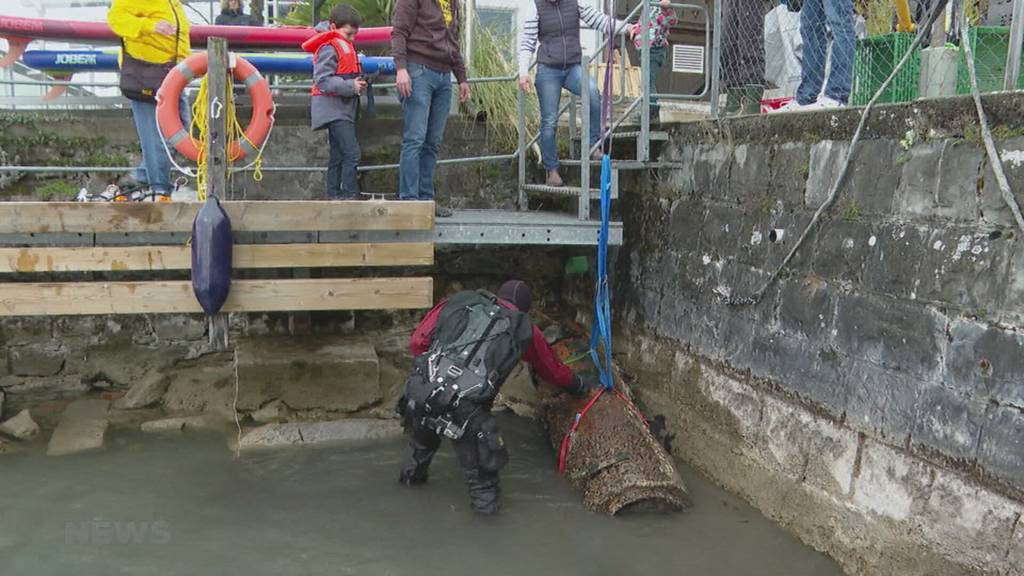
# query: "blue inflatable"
[106,61]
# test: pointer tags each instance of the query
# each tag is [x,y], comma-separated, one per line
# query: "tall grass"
[498,101]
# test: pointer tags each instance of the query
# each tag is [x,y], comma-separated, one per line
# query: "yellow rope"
[199,132]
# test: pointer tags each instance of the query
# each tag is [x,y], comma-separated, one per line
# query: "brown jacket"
[419,34]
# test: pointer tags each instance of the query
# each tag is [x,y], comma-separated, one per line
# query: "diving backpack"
[476,344]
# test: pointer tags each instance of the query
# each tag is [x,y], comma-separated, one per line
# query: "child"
[337,84]
[659,23]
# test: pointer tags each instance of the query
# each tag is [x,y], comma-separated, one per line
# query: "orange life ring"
[168,113]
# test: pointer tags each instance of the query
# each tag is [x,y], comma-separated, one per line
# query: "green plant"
[851,210]
[374,12]
[56,190]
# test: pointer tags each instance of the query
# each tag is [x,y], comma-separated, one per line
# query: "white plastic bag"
[782,48]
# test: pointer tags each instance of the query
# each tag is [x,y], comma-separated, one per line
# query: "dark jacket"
[236,18]
[419,34]
[538,355]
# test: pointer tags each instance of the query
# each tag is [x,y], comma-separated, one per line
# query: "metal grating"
[688,59]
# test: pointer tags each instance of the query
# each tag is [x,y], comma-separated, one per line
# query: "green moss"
[805,170]
[851,210]
[903,158]
[56,190]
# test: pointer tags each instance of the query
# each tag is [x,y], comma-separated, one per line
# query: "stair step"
[595,193]
[654,136]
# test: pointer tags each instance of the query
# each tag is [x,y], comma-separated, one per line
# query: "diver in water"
[465,349]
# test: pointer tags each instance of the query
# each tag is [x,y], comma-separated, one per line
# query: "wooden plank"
[79,298]
[260,216]
[147,258]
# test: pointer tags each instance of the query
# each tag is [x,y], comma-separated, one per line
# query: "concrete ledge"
[311,433]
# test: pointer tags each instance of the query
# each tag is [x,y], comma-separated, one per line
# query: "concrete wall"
[873,400]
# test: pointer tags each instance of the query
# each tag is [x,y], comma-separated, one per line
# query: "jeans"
[342,177]
[424,115]
[657,61]
[838,14]
[155,169]
[550,81]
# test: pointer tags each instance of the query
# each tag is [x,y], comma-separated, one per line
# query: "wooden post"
[216,118]
[216,150]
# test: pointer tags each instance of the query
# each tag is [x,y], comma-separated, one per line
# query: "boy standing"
[337,84]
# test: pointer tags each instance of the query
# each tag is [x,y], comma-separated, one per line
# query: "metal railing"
[640,103]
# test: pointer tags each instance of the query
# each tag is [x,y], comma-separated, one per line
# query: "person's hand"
[665,3]
[360,86]
[464,92]
[525,84]
[403,82]
[164,27]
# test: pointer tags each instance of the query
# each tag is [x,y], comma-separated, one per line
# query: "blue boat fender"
[211,256]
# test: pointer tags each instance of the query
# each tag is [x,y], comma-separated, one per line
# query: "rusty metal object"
[613,458]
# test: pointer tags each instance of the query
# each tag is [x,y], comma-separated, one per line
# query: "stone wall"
[873,400]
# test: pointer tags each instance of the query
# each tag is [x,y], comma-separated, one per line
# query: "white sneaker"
[791,106]
[824,103]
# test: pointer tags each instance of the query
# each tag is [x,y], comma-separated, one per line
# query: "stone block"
[711,171]
[179,327]
[332,374]
[890,334]
[124,365]
[964,269]
[675,183]
[969,523]
[983,359]
[202,385]
[146,392]
[826,159]
[686,220]
[809,449]
[806,308]
[939,181]
[788,172]
[949,421]
[881,401]
[1001,451]
[721,230]
[750,164]
[21,330]
[26,391]
[843,249]
[873,179]
[1012,309]
[309,433]
[993,208]
[37,359]
[83,427]
[739,406]
[519,393]
[21,426]
[893,263]
[807,368]
[890,483]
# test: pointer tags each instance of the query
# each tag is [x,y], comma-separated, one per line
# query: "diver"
[465,349]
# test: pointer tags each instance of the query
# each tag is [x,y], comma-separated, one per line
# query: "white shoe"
[791,106]
[825,103]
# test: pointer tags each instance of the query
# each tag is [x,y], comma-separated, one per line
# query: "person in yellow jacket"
[157,32]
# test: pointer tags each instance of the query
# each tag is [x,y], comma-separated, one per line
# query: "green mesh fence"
[877,56]
[990,45]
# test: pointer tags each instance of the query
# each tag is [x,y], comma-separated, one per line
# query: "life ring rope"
[242,143]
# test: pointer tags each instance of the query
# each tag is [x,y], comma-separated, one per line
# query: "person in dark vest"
[465,349]
[232,14]
[337,83]
[552,30]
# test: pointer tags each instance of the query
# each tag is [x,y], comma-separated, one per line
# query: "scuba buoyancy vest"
[476,344]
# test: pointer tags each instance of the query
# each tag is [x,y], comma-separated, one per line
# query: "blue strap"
[601,335]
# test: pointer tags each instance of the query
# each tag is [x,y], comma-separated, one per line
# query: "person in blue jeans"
[552,30]
[425,45]
[154,171]
[814,16]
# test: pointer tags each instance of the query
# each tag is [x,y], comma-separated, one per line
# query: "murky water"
[182,505]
